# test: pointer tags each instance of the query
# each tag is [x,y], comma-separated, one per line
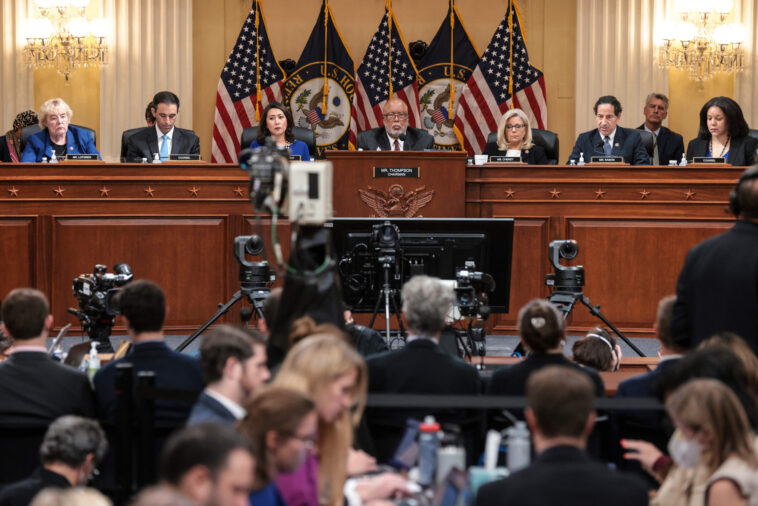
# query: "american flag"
[487,94]
[372,87]
[250,61]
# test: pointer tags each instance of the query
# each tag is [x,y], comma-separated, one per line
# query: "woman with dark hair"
[598,349]
[11,147]
[723,133]
[277,123]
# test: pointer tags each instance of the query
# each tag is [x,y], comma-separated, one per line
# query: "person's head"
[210,463]
[276,123]
[560,404]
[143,306]
[741,350]
[656,110]
[514,128]
[598,349]
[234,360]
[77,443]
[305,326]
[743,199]
[607,114]
[165,110]
[269,309]
[282,425]
[426,303]
[26,315]
[149,116]
[395,113]
[722,116]
[24,119]
[663,324]
[709,415]
[55,115]
[541,326]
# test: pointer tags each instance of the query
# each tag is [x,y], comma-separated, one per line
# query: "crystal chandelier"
[63,39]
[702,42]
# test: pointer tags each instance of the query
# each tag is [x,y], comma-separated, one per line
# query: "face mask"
[684,452]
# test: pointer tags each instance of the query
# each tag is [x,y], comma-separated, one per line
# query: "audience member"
[741,350]
[282,425]
[6,343]
[11,146]
[143,309]
[723,133]
[161,495]
[149,117]
[34,388]
[716,287]
[668,145]
[278,125]
[366,340]
[269,309]
[305,327]
[233,361]
[609,139]
[79,496]
[560,415]
[395,135]
[514,138]
[420,367]
[598,349]
[211,464]
[57,135]
[70,452]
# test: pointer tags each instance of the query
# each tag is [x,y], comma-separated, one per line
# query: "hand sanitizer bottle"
[581,159]
[684,160]
[93,363]
[53,159]
[156,158]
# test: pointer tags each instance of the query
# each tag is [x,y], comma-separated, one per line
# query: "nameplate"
[505,159]
[296,158]
[412,172]
[184,157]
[607,159]
[708,159]
[90,157]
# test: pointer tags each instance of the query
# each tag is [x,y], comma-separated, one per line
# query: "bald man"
[395,135]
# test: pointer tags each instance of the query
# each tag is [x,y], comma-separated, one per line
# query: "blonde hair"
[708,404]
[305,326]
[77,496]
[49,107]
[502,141]
[310,367]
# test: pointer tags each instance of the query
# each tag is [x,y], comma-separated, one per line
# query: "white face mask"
[684,452]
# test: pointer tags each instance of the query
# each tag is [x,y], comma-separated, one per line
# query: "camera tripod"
[389,295]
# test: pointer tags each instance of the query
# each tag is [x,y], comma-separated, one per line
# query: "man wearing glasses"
[395,135]
[609,139]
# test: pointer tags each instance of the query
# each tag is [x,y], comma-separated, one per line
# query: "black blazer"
[22,492]
[416,140]
[209,410]
[532,156]
[5,155]
[567,476]
[627,143]
[144,144]
[35,390]
[670,145]
[741,151]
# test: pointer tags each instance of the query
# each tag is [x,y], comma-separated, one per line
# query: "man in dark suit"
[560,415]
[668,145]
[34,388]
[233,360]
[609,139]
[716,289]
[143,309]
[164,138]
[419,368]
[395,135]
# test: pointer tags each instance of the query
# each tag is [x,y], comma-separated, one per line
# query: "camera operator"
[419,368]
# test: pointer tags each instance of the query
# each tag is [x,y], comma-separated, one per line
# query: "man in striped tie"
[395,135]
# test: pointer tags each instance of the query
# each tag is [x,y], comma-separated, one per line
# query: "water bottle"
[450,455]
[519,447]
[684,160]
[93,363]
[428,443]
[581,159]
[44,159]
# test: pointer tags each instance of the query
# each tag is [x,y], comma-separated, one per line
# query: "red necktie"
[397,145]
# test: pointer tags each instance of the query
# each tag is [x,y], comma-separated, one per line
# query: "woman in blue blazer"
[57,135]
[277,124]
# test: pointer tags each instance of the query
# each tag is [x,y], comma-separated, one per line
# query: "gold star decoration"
[644,194]
[599,194]
[13,191]
[149,192]
[239,191]
[509,193]
[59,191]
[689,194]
[105,191]
[193,190]
[555,194]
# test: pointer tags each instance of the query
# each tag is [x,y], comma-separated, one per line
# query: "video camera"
[570,279]
[472,289]
[253,275]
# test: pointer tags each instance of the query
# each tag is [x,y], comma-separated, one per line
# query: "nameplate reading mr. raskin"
[607,159]
[396,172]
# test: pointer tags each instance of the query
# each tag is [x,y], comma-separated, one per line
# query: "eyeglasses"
[396,115]
[515,127]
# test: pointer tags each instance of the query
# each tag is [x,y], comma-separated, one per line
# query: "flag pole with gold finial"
[510,49]
[388,4]
[452,59]
[326,58]
[258,95]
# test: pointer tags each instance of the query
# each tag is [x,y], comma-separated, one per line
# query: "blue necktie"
[164,148]
[606,147]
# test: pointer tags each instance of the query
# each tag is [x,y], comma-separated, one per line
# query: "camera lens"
[254,245]
[569,249]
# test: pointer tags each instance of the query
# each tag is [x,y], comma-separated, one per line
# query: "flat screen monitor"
[433,246]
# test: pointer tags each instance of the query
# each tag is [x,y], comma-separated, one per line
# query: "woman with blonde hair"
[58,135]
[514,138]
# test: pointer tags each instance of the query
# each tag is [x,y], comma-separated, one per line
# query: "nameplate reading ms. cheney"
[396,172]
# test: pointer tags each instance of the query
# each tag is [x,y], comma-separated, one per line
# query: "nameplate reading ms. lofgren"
[397,172]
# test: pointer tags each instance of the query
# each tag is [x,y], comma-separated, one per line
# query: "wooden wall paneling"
[18,249]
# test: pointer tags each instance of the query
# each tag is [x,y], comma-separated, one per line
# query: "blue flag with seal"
[320,92]
[443,72]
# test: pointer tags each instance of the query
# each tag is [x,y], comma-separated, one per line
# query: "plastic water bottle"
[428,443]
[572,162]
[44,159]
[450,455]
[581,159]
[93,364]
[519,447]
[684,160]
[156,158]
